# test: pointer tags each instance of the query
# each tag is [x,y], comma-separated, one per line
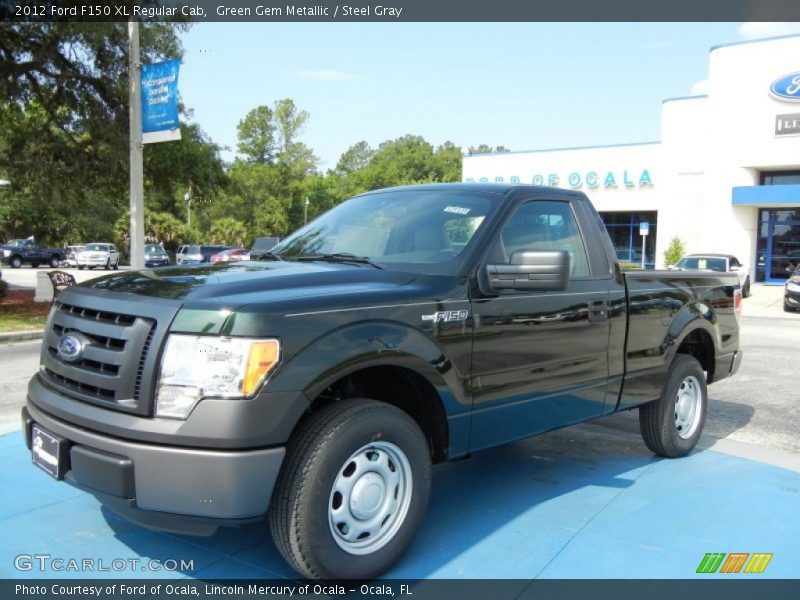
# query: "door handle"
[598,311]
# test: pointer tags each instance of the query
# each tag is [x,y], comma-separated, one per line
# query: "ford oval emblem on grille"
[70,347]
[787,88]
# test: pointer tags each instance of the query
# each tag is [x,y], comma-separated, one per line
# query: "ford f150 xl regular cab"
[404,327]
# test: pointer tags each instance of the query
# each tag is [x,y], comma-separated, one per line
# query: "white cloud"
[700,88]
[324,75]
[754,30]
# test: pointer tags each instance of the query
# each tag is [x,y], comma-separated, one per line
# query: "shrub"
[674,251]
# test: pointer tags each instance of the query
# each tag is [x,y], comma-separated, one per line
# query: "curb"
[19,336]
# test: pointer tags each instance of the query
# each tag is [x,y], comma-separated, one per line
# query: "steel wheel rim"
[370,498]
[688,407]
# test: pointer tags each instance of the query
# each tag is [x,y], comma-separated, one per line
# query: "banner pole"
[136,149]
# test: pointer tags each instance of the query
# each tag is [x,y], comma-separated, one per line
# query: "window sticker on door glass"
[459,210]
[702,263]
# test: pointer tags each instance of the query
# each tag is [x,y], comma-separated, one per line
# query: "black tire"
[108,265]
[746,288]
[658,419]
[80,267]
[787,308]
[321,452]
[15,262]
[116,265]
[54,262]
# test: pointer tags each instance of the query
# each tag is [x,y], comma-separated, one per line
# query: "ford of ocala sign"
[787,88]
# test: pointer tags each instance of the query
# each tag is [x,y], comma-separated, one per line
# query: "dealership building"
[725,177]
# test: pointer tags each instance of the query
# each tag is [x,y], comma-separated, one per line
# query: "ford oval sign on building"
[787,88]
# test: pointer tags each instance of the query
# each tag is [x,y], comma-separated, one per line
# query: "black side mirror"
[529,270]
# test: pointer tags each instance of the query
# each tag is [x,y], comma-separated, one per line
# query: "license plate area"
[49,452]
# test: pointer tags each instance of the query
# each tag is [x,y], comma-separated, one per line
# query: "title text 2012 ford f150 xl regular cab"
[404,327]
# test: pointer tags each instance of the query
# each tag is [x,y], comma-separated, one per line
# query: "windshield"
[153,249]
[703,263]
[420,230]
[16,243]
[97,247]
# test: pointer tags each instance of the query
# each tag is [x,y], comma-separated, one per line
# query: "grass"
[18,312]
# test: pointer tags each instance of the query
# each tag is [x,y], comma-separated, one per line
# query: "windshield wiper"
[269,255]
[338,257]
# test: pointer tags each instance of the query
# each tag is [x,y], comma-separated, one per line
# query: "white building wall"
[709,145]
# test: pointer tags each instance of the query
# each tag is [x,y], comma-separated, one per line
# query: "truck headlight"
[6,252]
[793,287]
[195,367]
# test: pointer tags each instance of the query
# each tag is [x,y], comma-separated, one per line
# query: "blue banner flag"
[160,102]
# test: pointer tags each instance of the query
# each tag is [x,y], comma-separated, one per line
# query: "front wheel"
[746,288]
[671,426]
[352,492]
[55,262]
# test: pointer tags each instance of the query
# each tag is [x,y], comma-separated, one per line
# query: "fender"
[370,344]
[696,315]
[643,386]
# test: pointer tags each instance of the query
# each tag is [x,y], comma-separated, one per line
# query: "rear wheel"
[671,426]
[352,492]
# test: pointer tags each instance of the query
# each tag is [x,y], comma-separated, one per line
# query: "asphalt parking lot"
[584,502]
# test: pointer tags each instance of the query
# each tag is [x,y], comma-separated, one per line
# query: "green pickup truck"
[315,388]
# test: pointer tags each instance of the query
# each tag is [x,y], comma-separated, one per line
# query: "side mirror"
[733,268]
[529,270]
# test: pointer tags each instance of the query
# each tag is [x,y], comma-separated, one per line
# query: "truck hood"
[235,284]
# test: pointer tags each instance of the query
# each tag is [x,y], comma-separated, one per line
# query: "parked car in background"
[791,292]
[721,263]
[180,254]
[71,255]
[200,253]
[155,256]
[262,246]
[19,252]
[232,255]
[98,254]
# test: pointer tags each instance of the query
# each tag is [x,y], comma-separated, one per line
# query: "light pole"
[135,132]
[187,197]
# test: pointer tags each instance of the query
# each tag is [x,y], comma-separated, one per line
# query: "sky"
[525,86]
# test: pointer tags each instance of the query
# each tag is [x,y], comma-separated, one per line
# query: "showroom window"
[623,228]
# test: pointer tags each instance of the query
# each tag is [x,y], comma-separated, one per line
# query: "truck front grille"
[115,369]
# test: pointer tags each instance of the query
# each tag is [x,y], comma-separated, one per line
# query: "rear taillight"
[737,303]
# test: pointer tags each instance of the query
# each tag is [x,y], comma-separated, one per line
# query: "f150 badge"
[447,316]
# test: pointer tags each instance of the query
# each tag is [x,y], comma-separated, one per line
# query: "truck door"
[540,358]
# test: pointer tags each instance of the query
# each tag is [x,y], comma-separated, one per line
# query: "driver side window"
[544,225]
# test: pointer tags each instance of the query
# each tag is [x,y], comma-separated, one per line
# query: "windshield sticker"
[447,316]
[459,210]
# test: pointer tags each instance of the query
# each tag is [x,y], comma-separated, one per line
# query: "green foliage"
[228,231]
[674,251]
[64,147]
[64,124]
[257,135]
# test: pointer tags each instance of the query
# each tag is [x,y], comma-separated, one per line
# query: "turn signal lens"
[262,358]
[737,303]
